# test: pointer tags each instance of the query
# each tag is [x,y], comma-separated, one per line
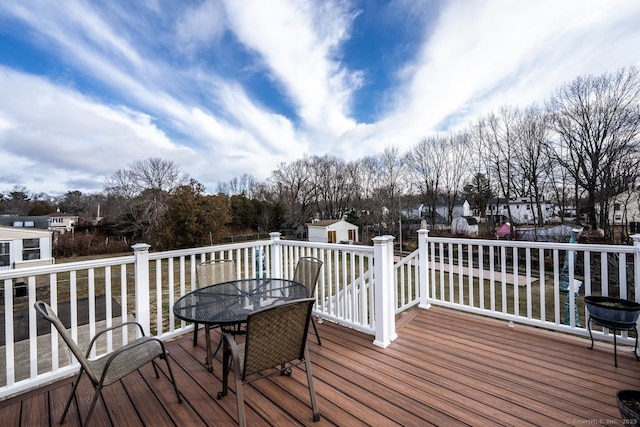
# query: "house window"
[331,234]
[4,254]
[30,249]
[616,206]
[352,235]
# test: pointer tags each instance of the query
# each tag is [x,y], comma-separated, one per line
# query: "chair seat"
[126,359]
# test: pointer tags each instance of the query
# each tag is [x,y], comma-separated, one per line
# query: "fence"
[361,287]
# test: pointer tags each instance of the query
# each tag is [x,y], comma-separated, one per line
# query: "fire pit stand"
[615,326]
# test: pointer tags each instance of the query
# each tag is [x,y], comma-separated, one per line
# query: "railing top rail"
[331,246]
[66,266]
[208,249]
[539,245]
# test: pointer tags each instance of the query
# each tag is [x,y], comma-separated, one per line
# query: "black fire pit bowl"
[615,310]
[629,404]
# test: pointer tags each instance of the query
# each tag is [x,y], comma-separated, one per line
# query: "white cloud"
[53,129]
[156,91]
[298,44]
[482,55]
[200,26]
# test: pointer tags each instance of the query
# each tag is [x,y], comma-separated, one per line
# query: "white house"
[23,247]
[523,210]
[332,231]
[61,222]
[625,208]
[460,208]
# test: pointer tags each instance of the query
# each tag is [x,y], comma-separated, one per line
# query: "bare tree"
[142,191]
[150,174]
[394,186]
[531,165]
[456,171]
[368,203]
[597,122]
[495,135]
[245,185]
[426,168]
[293,188]
[333,186]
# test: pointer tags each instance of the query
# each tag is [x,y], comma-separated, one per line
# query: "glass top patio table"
[229,303]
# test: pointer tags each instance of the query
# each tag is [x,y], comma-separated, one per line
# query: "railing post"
[276,255]
[423,268]
[143,303]
[636,266]
[384,292]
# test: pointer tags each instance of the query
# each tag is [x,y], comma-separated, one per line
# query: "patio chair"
[275,342]
[209,273]
[307,272]
[110,367]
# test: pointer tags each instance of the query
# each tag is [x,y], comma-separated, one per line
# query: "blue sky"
[228,87]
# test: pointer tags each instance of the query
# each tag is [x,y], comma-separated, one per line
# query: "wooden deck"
[445,368]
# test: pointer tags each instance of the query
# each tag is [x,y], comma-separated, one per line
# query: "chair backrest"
[45,310]
[276,335]
[215,271]
[307,272]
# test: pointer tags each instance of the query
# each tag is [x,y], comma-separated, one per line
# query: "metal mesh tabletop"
[231,302]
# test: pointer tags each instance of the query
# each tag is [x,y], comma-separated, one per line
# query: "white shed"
[20,247]
[466,225]
[332,231]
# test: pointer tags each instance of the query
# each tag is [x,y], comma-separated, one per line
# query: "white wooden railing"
[361,287]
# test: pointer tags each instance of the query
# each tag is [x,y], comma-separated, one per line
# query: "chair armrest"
[112,328]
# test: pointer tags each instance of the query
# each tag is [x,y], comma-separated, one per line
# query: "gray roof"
[39,222]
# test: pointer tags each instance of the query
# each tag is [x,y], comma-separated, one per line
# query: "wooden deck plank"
[445,368]
[119,405]
[361,380]
[35,410]
[58,398]
[10,415]
[146,404]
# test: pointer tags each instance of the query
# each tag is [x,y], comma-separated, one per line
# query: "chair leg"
[312,392]
[165,356]
[195,334]
[155,368]
[242,421]
[225,370]
[315,329]
[97,394]
[73,393]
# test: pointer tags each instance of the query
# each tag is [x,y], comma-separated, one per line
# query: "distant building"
[58,222]
[61,222]
[625,208]
[461,208]
[523,210]
[19,221]
[332,231]
[466,225]
[24,247]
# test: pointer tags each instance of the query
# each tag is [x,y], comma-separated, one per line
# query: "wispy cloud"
[299,43]
[226,87]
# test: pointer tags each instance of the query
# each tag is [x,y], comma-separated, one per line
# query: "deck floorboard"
[446,368]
